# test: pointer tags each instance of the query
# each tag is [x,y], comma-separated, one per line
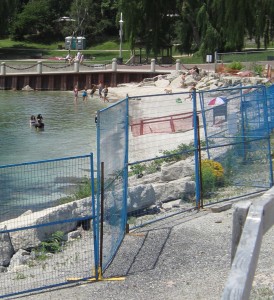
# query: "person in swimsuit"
[105,91]
[75,91]
[85,94]
[32,120]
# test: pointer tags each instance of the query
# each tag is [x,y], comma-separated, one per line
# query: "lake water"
[70,130]
[69,127]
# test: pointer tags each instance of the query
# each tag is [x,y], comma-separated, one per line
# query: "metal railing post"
[39,67]
[152,65]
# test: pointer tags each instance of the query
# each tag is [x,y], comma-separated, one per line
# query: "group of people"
[78,57]
[37,122]
[102,90]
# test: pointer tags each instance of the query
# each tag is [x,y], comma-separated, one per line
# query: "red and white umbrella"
[217,101]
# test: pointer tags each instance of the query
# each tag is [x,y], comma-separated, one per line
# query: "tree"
[37,20]
[150,22]
[7,10]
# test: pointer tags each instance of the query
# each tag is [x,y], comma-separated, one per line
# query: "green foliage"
[258,69]
[138,169]
[52,245]
[235,65]
[196,26]
[183,151]
[83,190]
[212,176]
[20,275]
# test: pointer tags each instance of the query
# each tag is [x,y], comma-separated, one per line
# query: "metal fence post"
[196,151]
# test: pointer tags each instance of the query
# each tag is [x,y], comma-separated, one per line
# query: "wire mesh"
[46,227]
[270,104]
[237,136]
[112,151]
[157,124]
[161,157]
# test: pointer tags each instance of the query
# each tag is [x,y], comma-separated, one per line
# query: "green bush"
[52,245]
[235,65]
[212,176]
[258,69]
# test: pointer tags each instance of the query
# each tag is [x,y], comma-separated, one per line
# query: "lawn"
[105,52]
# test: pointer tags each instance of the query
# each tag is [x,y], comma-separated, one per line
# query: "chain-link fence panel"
[112,176]
[47,224]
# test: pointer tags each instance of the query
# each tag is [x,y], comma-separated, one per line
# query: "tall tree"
[149,21]
[7,10]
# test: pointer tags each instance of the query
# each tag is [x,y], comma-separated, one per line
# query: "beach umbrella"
[217,101]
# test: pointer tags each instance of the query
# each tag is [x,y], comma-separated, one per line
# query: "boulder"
[27,88]
[178,170]
[177,189]
[19,259]
[140,197]
[26,239]
[6,248]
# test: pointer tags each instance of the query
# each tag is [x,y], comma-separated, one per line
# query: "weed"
[52,245]
[20,275]
[83,190]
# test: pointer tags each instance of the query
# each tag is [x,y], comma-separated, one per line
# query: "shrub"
[258,69]
[138,169]
[235,65]
[212,176]
[52,245]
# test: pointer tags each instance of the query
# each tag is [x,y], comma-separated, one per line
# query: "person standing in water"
[100,89]
[105,91]
[75,91]
[85,94]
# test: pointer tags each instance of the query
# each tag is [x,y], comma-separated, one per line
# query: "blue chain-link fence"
[112,177]
[173,144]
[237,136]
[47,224]
[151,151]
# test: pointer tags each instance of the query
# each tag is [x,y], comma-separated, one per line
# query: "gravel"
[186,256]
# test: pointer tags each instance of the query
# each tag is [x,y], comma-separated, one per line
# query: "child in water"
[85,94]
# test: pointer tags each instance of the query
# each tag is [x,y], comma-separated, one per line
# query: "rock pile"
[204,80]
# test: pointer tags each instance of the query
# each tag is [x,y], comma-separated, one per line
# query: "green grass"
[10,50]
[105,52]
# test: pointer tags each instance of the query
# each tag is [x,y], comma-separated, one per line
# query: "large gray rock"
[26,239]
[173,190]
[141,196]
[180,169]
[20,259]
[149,178]
[6,248]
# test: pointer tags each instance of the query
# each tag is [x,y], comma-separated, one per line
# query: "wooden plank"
[268,203]
[259,220]
[243,268]
[239,216]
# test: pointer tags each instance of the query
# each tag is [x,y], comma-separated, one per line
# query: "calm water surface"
[69,127]
[69,130]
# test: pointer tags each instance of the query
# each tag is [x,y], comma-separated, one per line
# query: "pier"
[63,76]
